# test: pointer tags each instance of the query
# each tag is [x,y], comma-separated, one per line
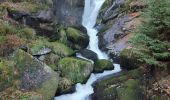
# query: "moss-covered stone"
[102,65]
[128,59]
[77,38]
[58,48]
[115,87]
[74,69]
[35,75]
[130,90]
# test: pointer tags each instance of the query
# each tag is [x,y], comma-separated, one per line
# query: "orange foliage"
[12,42]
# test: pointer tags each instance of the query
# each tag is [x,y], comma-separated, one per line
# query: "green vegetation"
[130,90]
[26,5]
[6,75]
[151,40]
[156,19]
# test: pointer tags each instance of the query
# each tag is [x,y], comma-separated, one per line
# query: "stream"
[84,91]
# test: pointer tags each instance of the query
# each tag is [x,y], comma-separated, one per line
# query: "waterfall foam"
[83,91]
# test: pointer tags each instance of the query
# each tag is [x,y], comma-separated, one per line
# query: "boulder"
[128,59]
[35,75]
[126,86]
[78,39]
[74,70]
[101,65]
[89,54]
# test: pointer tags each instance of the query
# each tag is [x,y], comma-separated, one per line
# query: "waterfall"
[91,10]
[83,91]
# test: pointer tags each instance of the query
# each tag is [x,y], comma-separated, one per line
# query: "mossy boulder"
[130,90]
[128,59]
[35,75]
[58,48]
[126,86]
[101,65]
[74,69]
[77,38]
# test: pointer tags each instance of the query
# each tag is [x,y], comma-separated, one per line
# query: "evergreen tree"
[157,19]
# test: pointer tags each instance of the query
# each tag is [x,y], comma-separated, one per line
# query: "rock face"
[69,12]
[35,75]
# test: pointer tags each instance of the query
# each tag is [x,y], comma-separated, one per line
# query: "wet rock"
[35,75]
[89,54]
[101,65]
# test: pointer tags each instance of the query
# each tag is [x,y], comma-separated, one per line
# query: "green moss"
[58,48]
[27,33]
[102,65]
[2,39]
[74,34]
[130,90]
[48,88]
[63,36]
[61,49]
[76,70]
[6,75]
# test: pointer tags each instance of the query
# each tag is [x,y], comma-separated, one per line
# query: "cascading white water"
[83,91]
[91,11]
